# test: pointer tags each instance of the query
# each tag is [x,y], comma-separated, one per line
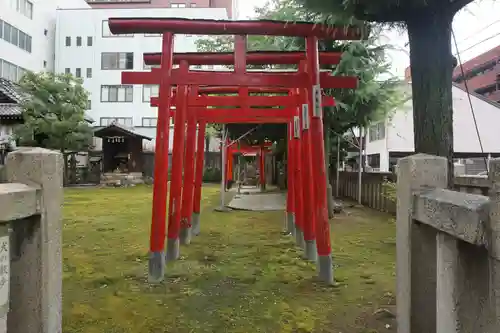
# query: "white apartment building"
[27,34]
[389,140]
[85,47]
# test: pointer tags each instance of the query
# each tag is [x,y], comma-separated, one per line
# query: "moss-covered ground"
[240,275]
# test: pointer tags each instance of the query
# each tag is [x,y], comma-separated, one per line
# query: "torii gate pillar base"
[223,209]
[185,235]
[172,249]
[325,269]
[156,267]
[299,238]
[290,223]
[195,224]
[310,250]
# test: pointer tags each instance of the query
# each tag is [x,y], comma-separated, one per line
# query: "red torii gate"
[307,81]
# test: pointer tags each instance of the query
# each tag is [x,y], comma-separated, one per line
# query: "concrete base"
[185,235]
[299,238]
[156,267]
[195,224]
[172,249]
[290,223]
[310,250]
[222,209]
[325,269]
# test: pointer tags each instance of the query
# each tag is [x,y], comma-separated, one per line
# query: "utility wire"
[478,31]
[474,45]
[470,100]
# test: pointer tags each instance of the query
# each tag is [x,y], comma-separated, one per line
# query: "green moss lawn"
[241,275]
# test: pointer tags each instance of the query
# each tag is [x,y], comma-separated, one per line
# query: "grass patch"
[239,275]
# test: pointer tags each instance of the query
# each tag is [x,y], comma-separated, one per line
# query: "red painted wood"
[236,101]
[174,209]
[200,155]
[158,228]
[290,165]
[318,157]
[226,27]
[189,172]
[253,58]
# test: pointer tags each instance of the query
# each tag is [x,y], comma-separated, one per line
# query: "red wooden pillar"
[290,209]
[158,229]
[188,183]
[200,155]
[174,214]
[325,264]
[309,223]
[298,182]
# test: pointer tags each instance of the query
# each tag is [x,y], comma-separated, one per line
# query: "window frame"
[118,54]
[117,86]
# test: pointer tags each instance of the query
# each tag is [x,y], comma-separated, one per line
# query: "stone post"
[416,245]
[36,267]
[493,242]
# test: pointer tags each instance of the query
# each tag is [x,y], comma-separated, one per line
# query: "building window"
[148,91]
[178,5]
[10,71]
[374,161]
[107,33]
[89,104]
[78,72]
[24,7]
[15,36]
[377,132]
[117,60]
[152,35]
[125,121]
[148,67]
[89,41]
[149,122]
[68,41]
[78,41]
[117,93]
[45,32]
[89,73]
[67,71]
[45,64]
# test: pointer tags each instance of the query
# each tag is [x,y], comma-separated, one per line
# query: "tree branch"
[456,5]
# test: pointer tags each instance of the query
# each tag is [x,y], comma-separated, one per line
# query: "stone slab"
[259,202]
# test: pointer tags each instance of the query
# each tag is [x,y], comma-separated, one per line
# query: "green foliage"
[389,190]
[386,11]
[372,101]
[212,175]
[54,112]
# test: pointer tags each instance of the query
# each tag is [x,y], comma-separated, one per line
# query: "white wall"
[42,50]
[399,129]
[90,57]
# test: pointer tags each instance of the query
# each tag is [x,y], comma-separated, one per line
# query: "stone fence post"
[35,242]
[493,245]
[416,245]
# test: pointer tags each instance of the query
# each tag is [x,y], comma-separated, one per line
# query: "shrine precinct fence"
[30,242]
[376,193]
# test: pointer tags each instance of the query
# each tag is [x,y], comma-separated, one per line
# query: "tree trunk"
[431,69]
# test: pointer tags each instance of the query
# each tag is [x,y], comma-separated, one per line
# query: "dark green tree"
[54,114]
[429,25]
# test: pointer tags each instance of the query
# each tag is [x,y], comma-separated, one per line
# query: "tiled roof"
[121,128]
[10,110]
[11,90]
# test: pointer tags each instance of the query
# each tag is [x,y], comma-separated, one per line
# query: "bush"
[212,175]
[389,190]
